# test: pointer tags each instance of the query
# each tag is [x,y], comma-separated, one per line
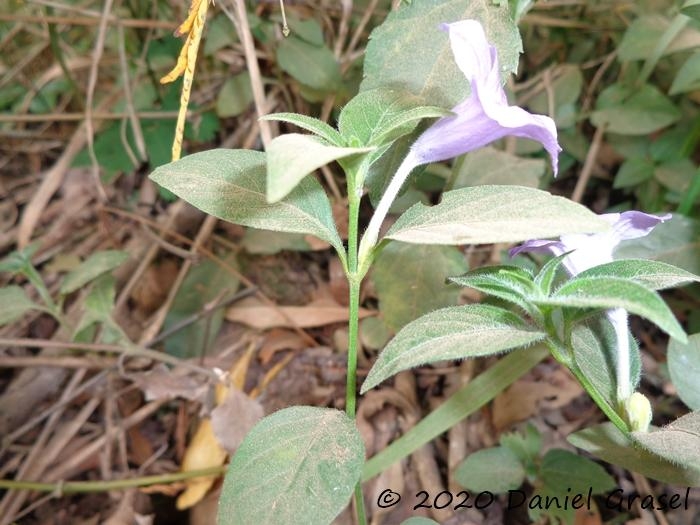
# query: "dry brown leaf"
[234,418]
[205,450]
[162,383]
[254,313]
[526,397]
[279,339]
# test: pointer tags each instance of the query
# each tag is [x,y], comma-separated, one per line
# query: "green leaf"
[303,462]
[545,278]
[314,125]
[410,280]
[491,166]
[634,171]
[409,51]
[205,283]
[458,406]
[643,34]
[379,116]
[97,264]
[525,446]
[451,333]
[230,184]
[235,96]
[491,214]
[292,157]
[495,469]
[677,442]
[613,292]
[557,466]
[14,303]
[688,76]
[608,443]
[691,8]
[509,283]
[595,351]
[314,66]
[638,111]
[98,307]
[684,368]
[676,242]
[652,274]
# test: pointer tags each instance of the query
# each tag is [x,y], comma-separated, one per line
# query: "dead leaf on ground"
[279,339]
[527,397]
[163,383]
[234,418]
[255,313]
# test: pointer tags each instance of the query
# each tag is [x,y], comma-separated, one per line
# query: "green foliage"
[409,52]
[495,469]
[292,157]
[678,442]
[230,184]
[410,280]
[311,64]
[303,462]
[97,264]
[684,368]
[235,95]
[488,166]
[490,214]
[14,303]
[451,333]
[608,443]
[206,283]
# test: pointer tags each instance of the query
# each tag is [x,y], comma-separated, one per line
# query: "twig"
[98,115]
[71,487]
[240,21]
[87,21]
[92,83]
[58,362]
[128,99]
[208,309]
[129,351]
[588,165]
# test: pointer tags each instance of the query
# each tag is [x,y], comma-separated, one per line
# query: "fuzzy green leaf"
[303,462]
[292,157]
[451,333]
[314,125]
[652,274]
[91,268]
[684,368]
[490,214]
[495,469]
[230,184]
[14,303]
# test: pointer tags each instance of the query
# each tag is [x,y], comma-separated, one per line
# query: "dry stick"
[588,99]
[98,115]
[58,362]
[92,83]
[343,28]
[61,471]
[12,501]
[130,109]
[130,351]
[87,21]
[588,165]
[240,21]
[10,438]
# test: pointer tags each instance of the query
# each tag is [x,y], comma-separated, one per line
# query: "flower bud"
[638,412]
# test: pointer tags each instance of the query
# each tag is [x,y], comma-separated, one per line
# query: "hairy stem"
[354,280]
[369,239]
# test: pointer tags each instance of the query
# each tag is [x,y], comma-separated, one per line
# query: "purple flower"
[484,116]
[589,250]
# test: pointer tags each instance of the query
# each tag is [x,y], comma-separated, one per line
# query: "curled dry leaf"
[526,397]
[233,418]
[205,450]
[254,313]
[162,383]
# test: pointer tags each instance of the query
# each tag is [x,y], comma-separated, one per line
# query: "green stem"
[354,280]
[104,486]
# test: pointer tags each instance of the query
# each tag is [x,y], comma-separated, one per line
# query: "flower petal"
[634,224]
[485,115]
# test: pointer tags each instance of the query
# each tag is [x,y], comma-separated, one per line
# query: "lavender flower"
[591,250]
[483,117]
